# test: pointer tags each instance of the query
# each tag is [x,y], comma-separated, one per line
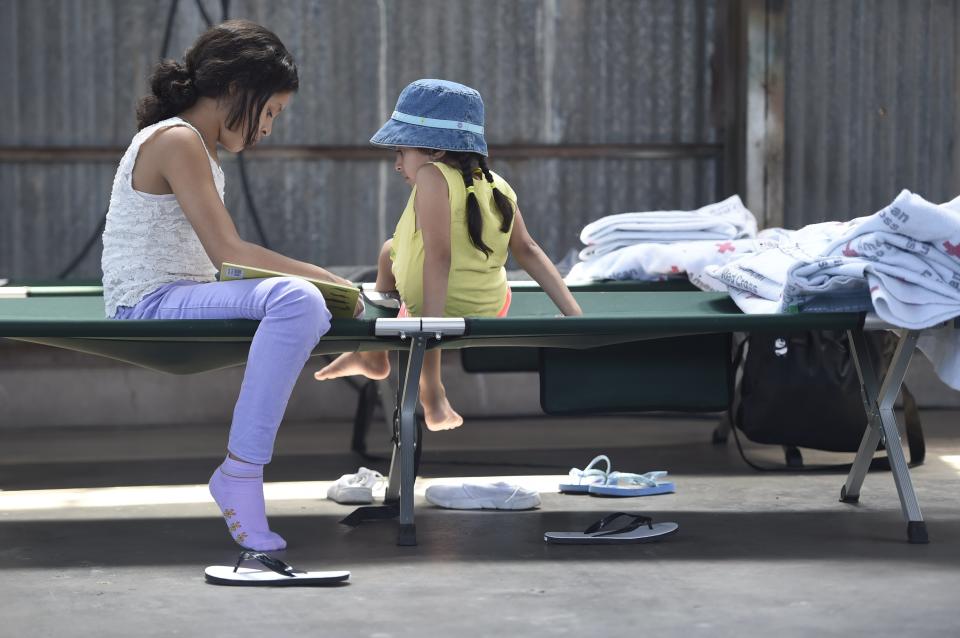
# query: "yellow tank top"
[477,286]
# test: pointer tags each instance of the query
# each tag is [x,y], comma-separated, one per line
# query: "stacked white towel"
[757,282]
[903,262]
[724,220]
[658,262]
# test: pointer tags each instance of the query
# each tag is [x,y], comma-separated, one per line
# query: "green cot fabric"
[677,373]
[500,359]
[485,360]
[618,317]
[57,283]
[185,346]
[176,346]
[691,374]
[669,285]
[65,291]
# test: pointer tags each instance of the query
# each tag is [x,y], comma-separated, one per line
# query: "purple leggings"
[293,316]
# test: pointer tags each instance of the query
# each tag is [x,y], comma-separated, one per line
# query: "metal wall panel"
[872,105]
[551,72]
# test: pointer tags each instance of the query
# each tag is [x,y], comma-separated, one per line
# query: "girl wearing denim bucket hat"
[447,254]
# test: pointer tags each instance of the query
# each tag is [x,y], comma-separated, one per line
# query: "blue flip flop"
[627,484]
[587,477]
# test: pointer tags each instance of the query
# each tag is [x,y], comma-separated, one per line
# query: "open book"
[341,300]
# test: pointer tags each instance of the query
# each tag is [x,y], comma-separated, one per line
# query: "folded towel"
[904,259]
[728,219]
[657,262]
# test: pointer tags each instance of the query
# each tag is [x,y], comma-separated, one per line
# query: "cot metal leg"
[398,500]
[407,411]
[388,396]
[878,401]
[391,500]
[361,418]
[371,394]
[392,494]
[389,509]
[406,429]
[722,430]
[393,483]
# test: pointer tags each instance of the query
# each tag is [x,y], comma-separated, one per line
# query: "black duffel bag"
[801,390]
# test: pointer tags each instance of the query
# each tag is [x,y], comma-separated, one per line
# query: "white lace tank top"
[148,241]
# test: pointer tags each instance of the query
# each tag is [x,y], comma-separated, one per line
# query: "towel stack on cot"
[658,245]
[902,262]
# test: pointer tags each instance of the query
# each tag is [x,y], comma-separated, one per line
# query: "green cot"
[616,316]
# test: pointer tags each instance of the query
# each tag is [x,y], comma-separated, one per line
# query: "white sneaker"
[355,488]
[489,496]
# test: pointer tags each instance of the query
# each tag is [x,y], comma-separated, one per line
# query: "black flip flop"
[638,529]
[280,574]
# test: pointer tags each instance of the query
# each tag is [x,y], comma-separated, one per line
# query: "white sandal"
[627,484]
[587,476]
[278,574]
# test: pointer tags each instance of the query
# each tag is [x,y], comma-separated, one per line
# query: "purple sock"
[237,487]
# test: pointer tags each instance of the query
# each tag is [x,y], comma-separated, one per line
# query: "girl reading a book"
[168,232]
[448,252]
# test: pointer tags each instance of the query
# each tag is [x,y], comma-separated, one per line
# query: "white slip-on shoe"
[488,496]
[355,489]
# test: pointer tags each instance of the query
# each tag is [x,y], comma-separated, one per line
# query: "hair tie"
[470,189]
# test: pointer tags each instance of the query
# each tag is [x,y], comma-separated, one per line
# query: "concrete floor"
[756,554]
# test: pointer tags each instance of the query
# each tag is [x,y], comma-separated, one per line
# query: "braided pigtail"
[474,216]
[466,163]
[503,203]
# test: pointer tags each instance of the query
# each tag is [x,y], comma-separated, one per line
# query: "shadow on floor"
[481,536]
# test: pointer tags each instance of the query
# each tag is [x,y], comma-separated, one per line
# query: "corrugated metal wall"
[872,105]
[551,72]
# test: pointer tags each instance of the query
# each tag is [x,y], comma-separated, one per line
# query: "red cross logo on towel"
[952,249]
[726,246]
[849,252]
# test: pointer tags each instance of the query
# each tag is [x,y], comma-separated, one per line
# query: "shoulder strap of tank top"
[167,123]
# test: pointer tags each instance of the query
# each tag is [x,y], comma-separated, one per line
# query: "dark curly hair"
[238,59]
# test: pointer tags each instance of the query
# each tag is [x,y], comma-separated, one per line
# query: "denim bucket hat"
[436,114]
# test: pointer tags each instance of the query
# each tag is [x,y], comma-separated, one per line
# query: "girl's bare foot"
[438,414]
[373,365]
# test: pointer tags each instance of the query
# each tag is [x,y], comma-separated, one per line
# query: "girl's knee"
[296,297]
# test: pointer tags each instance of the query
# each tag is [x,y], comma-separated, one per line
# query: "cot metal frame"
[160,345]
[878,397]
[398,500]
